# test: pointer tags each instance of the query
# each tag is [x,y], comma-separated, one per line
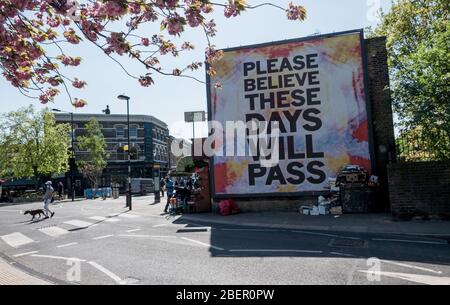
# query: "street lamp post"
[72,161]
[124,97]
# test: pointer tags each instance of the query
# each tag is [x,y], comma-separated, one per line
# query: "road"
[100,242]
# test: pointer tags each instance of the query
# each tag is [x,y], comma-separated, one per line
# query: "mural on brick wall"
[312,92]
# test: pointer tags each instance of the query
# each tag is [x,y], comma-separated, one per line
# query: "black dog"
[34,213]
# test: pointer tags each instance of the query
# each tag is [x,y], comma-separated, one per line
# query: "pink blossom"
[78,83]
[145,42]
[71,36]
[54,81]
[174,25]
[193,17]
[79,103]
[117,44]
[231,10]
[295,12]
[145,81]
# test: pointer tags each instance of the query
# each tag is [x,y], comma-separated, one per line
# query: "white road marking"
[417,278]
[325,234]
[129,215]
[146,236]
[16,239]
[78,223]
[54,231]
[134,235]
[411,241]
[275,250]
[59,257]
[25,254]
[67,245]
[114,277]
[102,237]
[98,218]
[203,244]
[112,220]
[160,225]
[162,236]
[411,266]
[133,230]
[343,254]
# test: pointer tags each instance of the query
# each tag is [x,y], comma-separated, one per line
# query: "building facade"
[178,148]
[149,150]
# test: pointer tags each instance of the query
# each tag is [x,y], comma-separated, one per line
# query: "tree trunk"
[36,178]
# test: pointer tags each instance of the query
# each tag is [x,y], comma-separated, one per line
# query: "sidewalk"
[361,223]
[10,275]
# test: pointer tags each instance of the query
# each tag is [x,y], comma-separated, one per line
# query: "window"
[120,132]
[133,132]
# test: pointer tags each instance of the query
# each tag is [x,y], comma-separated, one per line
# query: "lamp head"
[123,97]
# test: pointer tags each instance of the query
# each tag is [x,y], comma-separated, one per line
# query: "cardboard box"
[336,210]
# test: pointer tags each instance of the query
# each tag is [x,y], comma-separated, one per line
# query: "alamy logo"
[70,8]
[374,272]
[73,11]
[74,272]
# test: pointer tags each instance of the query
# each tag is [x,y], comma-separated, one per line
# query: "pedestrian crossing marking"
[125,215]
[67,245]
[98,218]
[54,231]
[78,223]
[16,239]
[106,219]
[112,220]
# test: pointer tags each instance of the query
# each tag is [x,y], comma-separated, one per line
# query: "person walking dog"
[47,199]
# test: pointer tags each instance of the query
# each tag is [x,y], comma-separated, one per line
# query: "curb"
[20,269]
[7,204]
[343,229]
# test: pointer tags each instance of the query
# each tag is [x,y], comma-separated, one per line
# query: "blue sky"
[170,97]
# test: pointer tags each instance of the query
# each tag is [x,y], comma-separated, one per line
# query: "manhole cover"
[129,281]
[353,243]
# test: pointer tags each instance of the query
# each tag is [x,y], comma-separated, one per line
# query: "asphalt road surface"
[101,242]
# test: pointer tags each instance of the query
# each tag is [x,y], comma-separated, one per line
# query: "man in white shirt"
[47,199]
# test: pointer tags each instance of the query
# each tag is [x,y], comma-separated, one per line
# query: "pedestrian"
[61,190]
[162,185]
[169,191]
[47,199]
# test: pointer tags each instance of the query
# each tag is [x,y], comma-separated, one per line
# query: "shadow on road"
[244,241]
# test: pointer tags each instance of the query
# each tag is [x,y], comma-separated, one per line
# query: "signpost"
[156,177]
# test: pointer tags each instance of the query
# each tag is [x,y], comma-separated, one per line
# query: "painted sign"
[312,92]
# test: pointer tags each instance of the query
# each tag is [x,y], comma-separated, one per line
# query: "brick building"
[149,151]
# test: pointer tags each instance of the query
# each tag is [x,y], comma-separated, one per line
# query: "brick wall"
[420,189]
[381,112]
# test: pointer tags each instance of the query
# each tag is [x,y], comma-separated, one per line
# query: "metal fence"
[415,146]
